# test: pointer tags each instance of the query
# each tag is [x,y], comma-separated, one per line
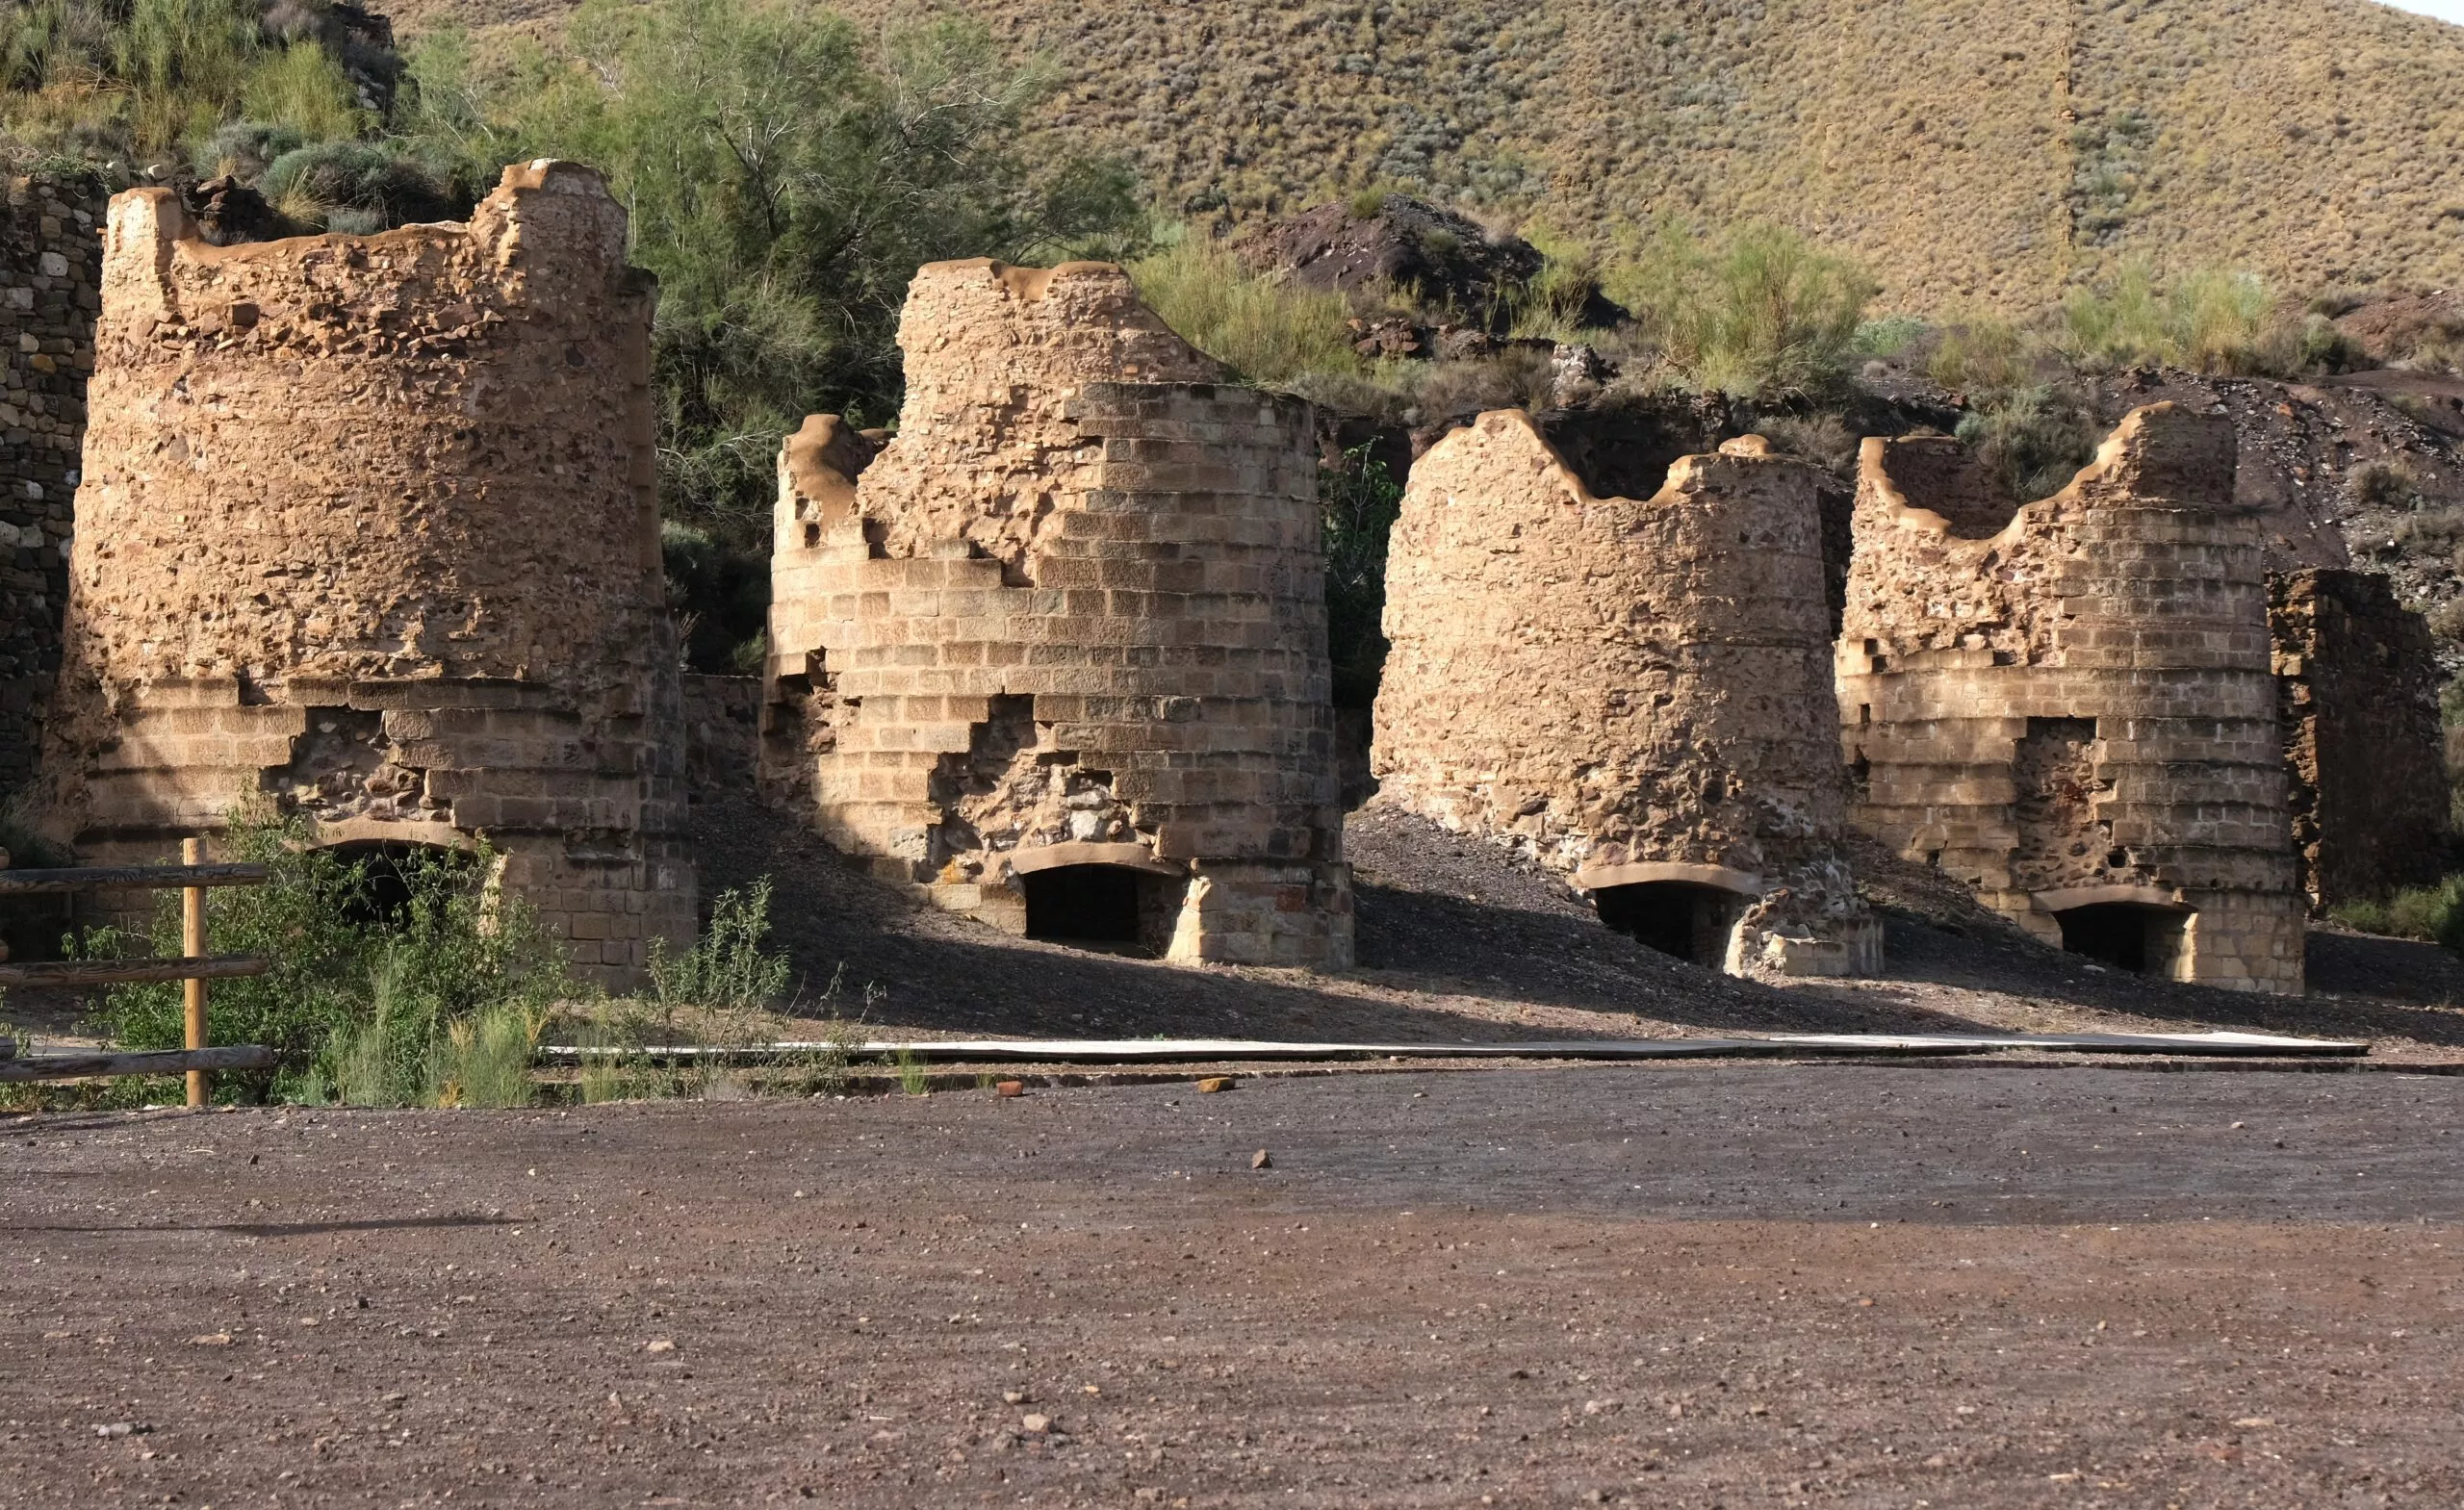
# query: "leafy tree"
[786,174]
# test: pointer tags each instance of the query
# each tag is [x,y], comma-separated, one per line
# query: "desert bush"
[2382,483]
[1360,501]
[1889,336]
[120,78]
[357,187]
[2033,439]
[786,173]
[1760,312]
[1518,377]
[726,969]
[1268,330]
[1551,305]
[2434,914]
[303,86]
[2209,319]
[244,149]
[455,951]
[1821,437]
[1984,356]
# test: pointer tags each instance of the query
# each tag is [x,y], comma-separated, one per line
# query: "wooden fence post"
[192,945]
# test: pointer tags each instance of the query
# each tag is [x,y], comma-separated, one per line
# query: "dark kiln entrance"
[1676,917]
[1112,907]
[2128,936]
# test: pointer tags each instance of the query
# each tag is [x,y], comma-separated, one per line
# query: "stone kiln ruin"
[1637,693]
[2068,706]
[50,252]
[1059,655]
[2357,677]
[368,528]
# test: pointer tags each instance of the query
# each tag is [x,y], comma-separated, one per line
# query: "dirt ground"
[1674,1286]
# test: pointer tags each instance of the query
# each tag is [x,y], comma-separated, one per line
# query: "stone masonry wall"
[2358,681]
[368,534]
[2069,705]
[51,247]
[1627,690]
[1072,616]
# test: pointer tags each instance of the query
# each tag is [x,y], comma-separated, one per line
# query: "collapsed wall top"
[2068,705]
[1057,652]
[369,531]
[1634,692]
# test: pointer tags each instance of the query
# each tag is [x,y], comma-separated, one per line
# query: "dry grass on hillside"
[1980,151]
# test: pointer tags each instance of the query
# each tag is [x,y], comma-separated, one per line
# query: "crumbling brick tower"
[369,529]
[1635,693]
[2068,706]
[2357,678]
[1058,656]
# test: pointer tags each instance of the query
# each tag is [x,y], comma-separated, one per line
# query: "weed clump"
[359,1002]
[2433,914]
[1269,331]
[1761,313]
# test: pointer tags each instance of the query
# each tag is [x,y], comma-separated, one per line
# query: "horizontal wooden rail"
[130,972]
[103,1061]
[128,878]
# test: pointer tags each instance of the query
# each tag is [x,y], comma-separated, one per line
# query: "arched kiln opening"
[390,871]
[1691,921]
[1115,908]
[2128,936]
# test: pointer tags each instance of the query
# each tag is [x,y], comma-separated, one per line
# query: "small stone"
[1014,1396]
[1035,1425]
[659,1344]
[1215,1083]
[1261,1160]
[123,1428]
[211,1340]
[1011,1088]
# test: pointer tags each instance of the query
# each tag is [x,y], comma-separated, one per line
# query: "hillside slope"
[1971,151]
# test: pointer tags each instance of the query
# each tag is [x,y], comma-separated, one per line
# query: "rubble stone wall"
[2070,703]
[1072,615]
[2357,678]
[368,534]
[1626,690]
[51,247]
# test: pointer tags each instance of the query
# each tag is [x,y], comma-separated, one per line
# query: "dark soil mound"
[1450,260]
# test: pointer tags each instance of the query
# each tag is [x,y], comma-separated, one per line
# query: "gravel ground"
[1458,943]
[1678,1286]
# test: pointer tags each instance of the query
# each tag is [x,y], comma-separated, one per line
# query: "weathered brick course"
[2357,677]
[1629,691]
[367,531]
[1071,616]
[2069,705]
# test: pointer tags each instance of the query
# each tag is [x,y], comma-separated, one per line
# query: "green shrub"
[1761,313]
[2209,319]
[726,968]
[2434,914]
[1889,336]
[2382,483]
[355,186]
[1360,501]
[303,86]
[244,149]
[355,1002]
[1267,330]
[1984,356]
[2033,439]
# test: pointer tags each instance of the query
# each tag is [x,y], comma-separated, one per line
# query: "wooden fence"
[194,966]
